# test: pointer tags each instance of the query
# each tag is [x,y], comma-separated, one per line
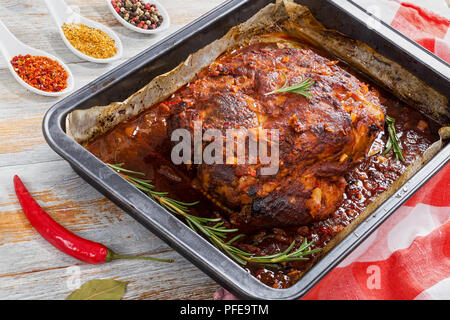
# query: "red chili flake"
[324,230]
[169,103]
[40,72]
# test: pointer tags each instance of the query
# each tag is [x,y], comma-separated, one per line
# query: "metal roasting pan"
[133,74]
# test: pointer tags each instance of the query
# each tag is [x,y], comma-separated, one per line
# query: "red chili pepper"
[324,230]
[66,241]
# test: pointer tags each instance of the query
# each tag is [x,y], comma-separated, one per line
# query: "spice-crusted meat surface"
[319,139]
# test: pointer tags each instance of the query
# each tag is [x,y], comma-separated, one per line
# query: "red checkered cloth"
[408,256]
[424,27]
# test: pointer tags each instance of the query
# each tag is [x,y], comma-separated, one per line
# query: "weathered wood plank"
[30,268]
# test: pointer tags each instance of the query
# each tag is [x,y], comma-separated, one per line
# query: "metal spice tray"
[121,82]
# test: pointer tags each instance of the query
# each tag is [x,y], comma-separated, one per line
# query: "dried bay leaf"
[101,289]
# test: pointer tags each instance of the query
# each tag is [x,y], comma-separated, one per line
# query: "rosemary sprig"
[393,141]
[299,88]
[213,228]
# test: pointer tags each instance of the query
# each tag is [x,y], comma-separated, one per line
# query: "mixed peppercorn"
[40,72]
[66,241]
[138,13]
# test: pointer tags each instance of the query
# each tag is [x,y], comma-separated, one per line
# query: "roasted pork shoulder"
[320,139]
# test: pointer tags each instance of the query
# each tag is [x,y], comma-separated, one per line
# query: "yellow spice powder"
[90,41]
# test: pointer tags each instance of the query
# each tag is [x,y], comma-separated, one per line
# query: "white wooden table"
[30,268]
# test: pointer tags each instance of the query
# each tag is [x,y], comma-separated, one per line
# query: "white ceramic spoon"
[10,47]
[62,13]
[162,11]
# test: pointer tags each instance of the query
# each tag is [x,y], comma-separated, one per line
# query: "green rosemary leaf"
[119,168]
[237,258]
[304,245]
[301,88]
[222,230]
[188,204]
[235,238]
[295,259]
[388,147]
[393,141]
[190,224]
